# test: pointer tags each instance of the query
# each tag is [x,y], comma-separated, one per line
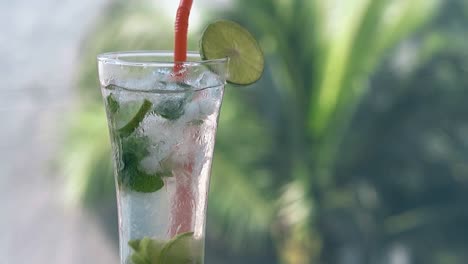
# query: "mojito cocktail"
[162,126]
[162,110]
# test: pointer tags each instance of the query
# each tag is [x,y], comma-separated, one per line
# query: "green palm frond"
[360,44]
[357,48]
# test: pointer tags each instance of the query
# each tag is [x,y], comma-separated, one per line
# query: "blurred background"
[352,148]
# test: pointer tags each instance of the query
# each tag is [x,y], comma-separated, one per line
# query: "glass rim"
[118,58]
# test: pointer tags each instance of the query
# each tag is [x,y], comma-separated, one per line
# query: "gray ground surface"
[39,45]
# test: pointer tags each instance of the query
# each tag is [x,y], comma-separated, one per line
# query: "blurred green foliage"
[352,146]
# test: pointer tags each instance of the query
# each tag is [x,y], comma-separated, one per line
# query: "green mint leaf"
[134,244]
[181,249]
[112,104]
[145,251]
[139,259]
[172,108]
[145,183]
[147,248]
[133,124]
[134,150]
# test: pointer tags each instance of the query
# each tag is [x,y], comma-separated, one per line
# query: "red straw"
[182,207]
[181,28]
[182,210]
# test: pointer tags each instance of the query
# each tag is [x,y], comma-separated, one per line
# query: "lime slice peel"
[226,38]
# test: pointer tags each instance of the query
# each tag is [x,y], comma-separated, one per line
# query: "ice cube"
[207,79]
[199,109]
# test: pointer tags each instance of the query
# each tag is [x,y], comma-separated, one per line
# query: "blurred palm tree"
[320,57]
[276,185]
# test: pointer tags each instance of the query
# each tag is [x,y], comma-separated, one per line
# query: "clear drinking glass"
[162,119]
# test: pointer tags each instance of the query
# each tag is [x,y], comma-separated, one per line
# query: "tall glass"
[162,119]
